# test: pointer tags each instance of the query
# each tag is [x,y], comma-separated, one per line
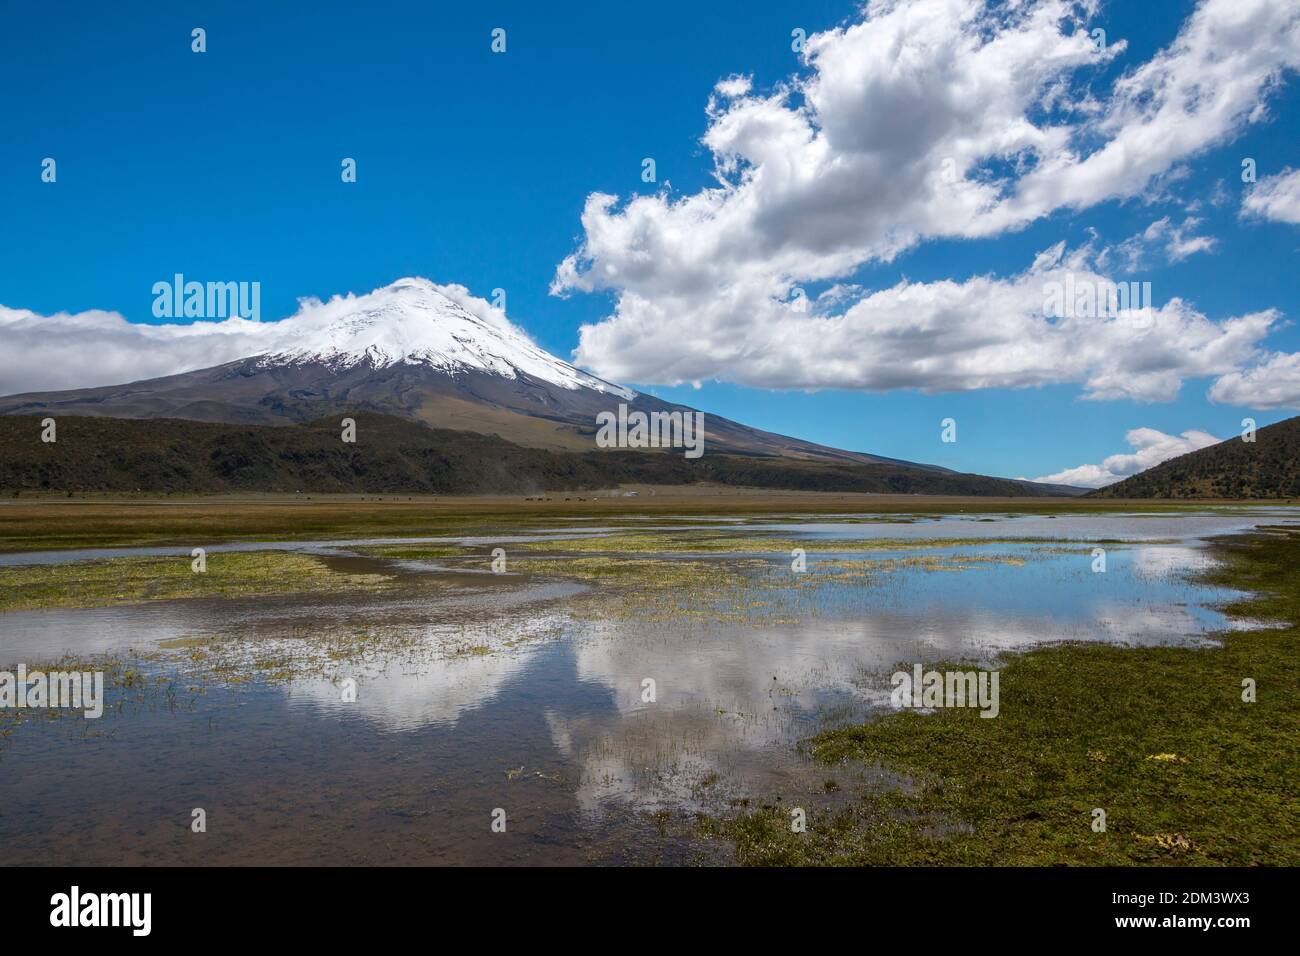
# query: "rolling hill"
[1268,467]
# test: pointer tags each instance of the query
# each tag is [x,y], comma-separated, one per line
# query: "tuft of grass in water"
[756,591]
[136,580]
[1158,737]
[411,552]
[705,542]
[648,589]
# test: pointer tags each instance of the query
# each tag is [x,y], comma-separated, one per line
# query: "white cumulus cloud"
[984,332]
[1275,197]
[1150,447]
[925,119]
[85,349]
[1273,383]
[1176,241]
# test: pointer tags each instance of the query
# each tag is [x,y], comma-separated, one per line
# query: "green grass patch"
[1160,738]
[710,542]
[135,580]
[412,552]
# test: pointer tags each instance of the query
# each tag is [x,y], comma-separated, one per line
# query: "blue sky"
[474,168]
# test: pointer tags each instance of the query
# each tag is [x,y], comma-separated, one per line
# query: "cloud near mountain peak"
[97,347]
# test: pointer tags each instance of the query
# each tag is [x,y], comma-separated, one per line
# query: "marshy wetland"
[657,688]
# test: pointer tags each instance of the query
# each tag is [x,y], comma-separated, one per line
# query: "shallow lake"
[526,691]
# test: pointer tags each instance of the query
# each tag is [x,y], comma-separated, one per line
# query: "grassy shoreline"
[137,580]
[1158,737]
[31,523]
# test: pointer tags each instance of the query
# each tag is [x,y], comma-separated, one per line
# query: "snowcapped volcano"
[412,322]
[419,351]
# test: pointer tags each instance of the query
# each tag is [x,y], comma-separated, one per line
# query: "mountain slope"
[1268,467]
[528,411]
[394,455]
[409,350]
[405,350]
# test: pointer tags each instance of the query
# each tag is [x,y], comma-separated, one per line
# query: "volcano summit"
[411,351]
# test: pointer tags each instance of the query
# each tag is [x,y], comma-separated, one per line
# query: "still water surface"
[525,691]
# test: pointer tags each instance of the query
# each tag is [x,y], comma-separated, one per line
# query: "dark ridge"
[394,455]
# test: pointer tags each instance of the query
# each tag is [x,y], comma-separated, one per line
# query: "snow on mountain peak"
[416,322]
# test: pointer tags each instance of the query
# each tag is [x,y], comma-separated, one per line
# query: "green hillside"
[1268,467]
